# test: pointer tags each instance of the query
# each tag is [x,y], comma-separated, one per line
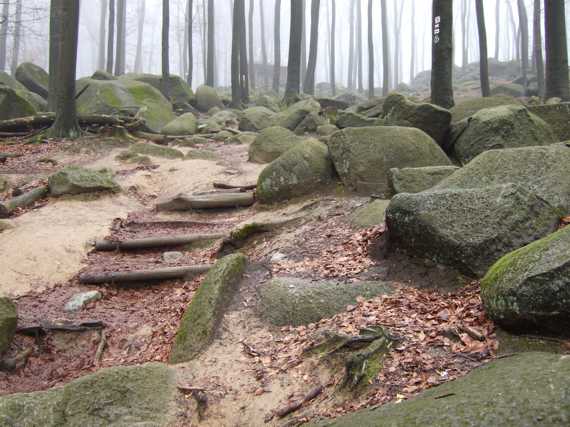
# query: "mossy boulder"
[507,126]
[363,157]
[557,116]
[544,171]
[125,96]
[103,75]
[509,89]
[292,117]
[255,119]
[268,101]
[326,130]
[39,103]
[464,109]
[310,123]
[468,229]
[134,395]
[271,143]
[155,150]
[174,88]
[246,138]
[13,104]
[370,215]
[206,98]
[397,110]
[78,180]
[203,315]
[8,323]
[530,287]
[523,390]
[291,301]
[34,78]
[301,170]
[186,124]
[4,183]
[414,180]
[222,119]
[349,119]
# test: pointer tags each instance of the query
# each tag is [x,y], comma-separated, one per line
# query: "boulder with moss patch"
[509,89]
[291,301]
[557,116]
[529,289]
[8,323]
[207,97]
[13,104]
[349,119]
[246,138]
[292,117]
[398,110]
[34,78]
[465,109]
[468,229]
[523,390]
[370,215]
[271,143]
[39,103]
[301,170]
[414,180]
[508,126]
[78,180]
[255,119]
[364,156]
[174,88]
[186,124]
[103,75]
[222,119]
[133,395]
[155,150]
[203,315]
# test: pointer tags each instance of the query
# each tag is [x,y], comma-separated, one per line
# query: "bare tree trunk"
[263,44]
[464,35]
[243,65]
[385,50]
[17,36]
[497,28]
[64,31]
[514,30]
[442,54]
[556,50]
[165,39]
[350,82]
[190,43]
[309,83]
[397,42]
[413,48]
[111,37]
[333,47]
[102,35]
[185,42]
[277,47]
[138,58]
[537,48]
[121,37]
[304,43]
[370,52]
[523,25]
[236,52]
[4,34]
[294,63]
[211,64]
[483,61]
[204,39]
[359,45]
[251,53]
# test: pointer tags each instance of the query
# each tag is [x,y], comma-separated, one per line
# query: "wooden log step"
[160,274]
[155,242]
[183,202]
[26,199]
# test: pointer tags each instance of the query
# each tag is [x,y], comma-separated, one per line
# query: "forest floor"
[252,369]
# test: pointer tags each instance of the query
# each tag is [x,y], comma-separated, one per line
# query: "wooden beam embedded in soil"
[45,120]
[170,273]
[26,199]
[241,188]
[155,242]
[183,202]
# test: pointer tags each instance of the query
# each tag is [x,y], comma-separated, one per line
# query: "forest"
[284,213]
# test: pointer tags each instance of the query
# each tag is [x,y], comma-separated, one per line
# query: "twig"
[294,406]
[100,347]
[472,332]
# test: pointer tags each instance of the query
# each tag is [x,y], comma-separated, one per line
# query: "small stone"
[78,301]
[172,257]
[277,257]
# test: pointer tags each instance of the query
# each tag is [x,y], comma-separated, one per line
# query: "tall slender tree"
[239,56]
[370,52]
[121,52]
[398,14]
[251,52]
[277,47]
[111,37]
[309,83]
[497,28]
[4,34]
[556,50]
[442,54]
[264,61]
[17,36]
[102,35]
[140,32]
[294,63]
[523,25]
[190,47]
[413,48]
[350,82]
[333,47]
[64,32]
[385,50]
[304,42]
[483,61]
[359,52]
[165,39]
[211,61]
[537,47]
[464,34]
[514,29]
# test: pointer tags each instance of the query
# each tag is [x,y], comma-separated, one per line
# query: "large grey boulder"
[78,180]
[363,157]
[8,323]
[529,289]
[255,119]
[34,78]
[13,104]
[350,119]
[206,98]
[123,396]
[272,143]
[174,88]
[557,116]
[466,108]
[398,110]
[508,126]
[39,103]
[468,229]
[544,171]
[302,170]
[523,390]
[186,124]
[509,89]
[414,180]
[291,301]
[294,115]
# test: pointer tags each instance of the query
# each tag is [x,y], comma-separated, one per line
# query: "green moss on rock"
[557,116]
[205,311]
[8,323]
[78,180]
[255,119]
[292,117]
[155,150]
[207,98]
[509,89]
[13,104]
[464,109]
[174,88]
[34,78]
[370,215]
[414,180]
[271,143]
[186,124]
